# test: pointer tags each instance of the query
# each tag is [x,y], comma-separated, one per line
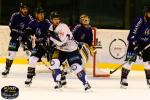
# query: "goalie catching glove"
[92,50]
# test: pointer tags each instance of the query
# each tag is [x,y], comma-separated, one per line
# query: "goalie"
[83,35]
[139,44]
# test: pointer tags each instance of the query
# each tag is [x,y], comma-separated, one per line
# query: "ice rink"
[103,88]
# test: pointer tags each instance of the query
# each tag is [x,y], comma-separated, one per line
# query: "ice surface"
[103,88]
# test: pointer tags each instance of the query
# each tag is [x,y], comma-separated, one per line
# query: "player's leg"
[12,49]
[84,51]
[55,67]
[31,69]
[65,68]
[147,72]
[146,59]
[130,58]
[37,53]
[74,60]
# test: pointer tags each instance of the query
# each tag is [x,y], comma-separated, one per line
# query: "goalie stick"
[111,72]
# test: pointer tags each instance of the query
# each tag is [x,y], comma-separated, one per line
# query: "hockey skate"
[28,82]
[148,82]
[58,86]
[5,73]
[87,87]
[124,83]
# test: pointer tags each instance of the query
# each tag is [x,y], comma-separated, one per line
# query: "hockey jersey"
[82,34]
[65,40]
[140,31]
[40,29]
[18,22]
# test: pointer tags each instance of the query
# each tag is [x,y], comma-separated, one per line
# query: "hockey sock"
[8,63]
[82,77]
[31,72]
[63,77]
[124,73]
[56,74]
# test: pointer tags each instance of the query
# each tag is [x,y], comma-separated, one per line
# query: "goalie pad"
[85,52]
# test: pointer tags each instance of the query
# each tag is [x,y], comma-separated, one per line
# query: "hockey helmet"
[147,9]
[39,10]
[55,14]
[24,5]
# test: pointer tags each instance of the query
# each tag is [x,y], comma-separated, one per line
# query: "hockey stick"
[111,72]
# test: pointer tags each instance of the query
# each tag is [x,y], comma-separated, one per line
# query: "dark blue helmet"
[24,5]
[147,9]
[55,14]
[39,10]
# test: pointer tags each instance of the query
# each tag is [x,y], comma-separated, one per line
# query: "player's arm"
[61,35]
[75,31]
[56,40]
[12,22]
[30,18]
[13,26]
[134,31]
[30,32]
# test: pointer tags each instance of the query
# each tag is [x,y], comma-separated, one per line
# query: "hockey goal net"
[93,67]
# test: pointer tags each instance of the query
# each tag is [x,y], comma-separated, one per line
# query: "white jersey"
[65,42]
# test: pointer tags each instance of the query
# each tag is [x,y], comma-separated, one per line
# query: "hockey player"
[82,33]
[38,28]
[18,23]
[61,36]
[139,41]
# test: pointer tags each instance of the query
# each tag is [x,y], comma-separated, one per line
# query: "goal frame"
[94,57]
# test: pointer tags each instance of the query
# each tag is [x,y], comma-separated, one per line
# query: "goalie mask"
[84,19]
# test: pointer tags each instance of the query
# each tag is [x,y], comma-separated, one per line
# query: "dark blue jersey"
[140,31]
[19,22]
[39,28]
[82,34]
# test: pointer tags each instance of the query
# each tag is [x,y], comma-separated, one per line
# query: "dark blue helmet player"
[17,24]
[139,44]
[38,29]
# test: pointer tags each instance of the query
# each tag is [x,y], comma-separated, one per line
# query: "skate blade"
[27,85]
[89,91]
[123,87]
[4,76]
[64,86]
[58,90]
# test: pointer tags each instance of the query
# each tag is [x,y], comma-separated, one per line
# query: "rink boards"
[111,49]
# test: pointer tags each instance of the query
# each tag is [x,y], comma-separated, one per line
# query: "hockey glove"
[138,50]
[92,50]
